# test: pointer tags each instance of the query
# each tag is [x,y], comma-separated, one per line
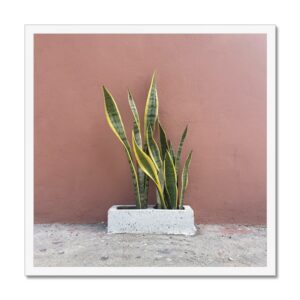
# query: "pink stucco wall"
[214,83]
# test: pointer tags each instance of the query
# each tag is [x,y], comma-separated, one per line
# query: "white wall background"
[13,14]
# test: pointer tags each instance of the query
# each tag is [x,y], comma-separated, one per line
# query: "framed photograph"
[150,150]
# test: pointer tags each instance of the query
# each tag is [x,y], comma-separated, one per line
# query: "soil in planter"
[134,207]
[127,207]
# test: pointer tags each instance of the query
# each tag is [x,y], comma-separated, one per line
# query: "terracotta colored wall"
[215,83]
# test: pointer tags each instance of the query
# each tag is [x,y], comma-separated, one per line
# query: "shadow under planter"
[128,219]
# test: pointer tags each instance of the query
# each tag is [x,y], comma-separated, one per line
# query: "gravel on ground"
[88,245]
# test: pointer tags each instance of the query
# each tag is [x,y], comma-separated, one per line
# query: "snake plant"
[157,162]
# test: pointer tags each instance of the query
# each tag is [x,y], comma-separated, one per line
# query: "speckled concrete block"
[128,219]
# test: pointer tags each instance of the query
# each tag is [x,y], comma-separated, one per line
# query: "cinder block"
[128,219]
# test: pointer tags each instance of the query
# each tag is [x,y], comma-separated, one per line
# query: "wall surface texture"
[214,83]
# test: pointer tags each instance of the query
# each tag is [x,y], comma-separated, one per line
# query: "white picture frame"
[270,269]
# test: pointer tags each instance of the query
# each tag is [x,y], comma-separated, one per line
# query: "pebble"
[164,251]
[43,250]
[169,259]
[138,257]
[230,258]
[104,258]
[56,242]
[61,252]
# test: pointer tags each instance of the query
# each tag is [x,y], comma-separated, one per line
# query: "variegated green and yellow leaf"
[162,184]
[115,122]
[151,109]
[139,203]
[184,179]
[145,187]
[153,149]
[138,138]
[180,149]
[136,120]
[133,107]
[141,182]
[170,149]
[148,167]
[114,118]
[163,141]
[167,199]
[145,161]
[171,180]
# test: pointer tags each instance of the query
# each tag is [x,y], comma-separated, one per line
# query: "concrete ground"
[62,245]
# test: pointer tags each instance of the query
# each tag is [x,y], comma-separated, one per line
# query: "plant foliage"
[155,161]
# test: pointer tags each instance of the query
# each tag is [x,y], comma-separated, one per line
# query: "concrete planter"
[128,219]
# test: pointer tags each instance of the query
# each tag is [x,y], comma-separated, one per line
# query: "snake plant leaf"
[139,203]
[153,149]
[162,183]
[145,188]
[151,109]
[171,180]
[150,117]
[141,183]
[163,141]
[145,161]
[170,149]
[167,198]
[136,122]
[146,178]
[133,107]
[148,167]
[114,118]
[138,138]
[184,179]
[115,122]
[180,148]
